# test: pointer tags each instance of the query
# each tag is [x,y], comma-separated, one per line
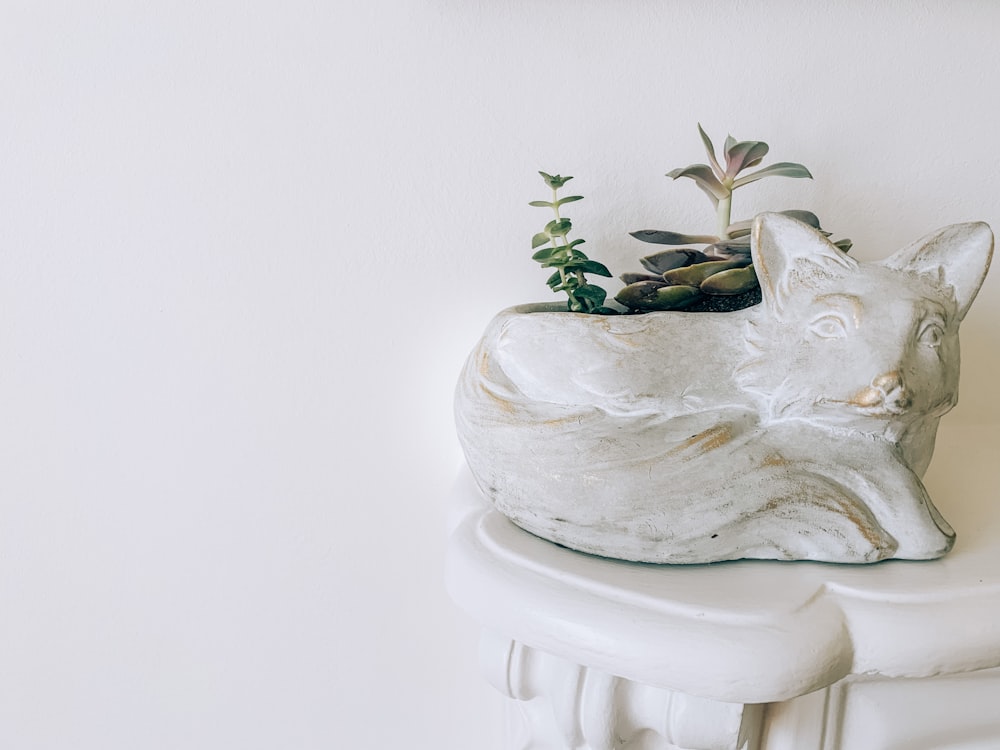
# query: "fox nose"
[888,381]
[897,396]
[888,391]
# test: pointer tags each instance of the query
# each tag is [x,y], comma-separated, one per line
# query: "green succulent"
[719,274]
[559,252]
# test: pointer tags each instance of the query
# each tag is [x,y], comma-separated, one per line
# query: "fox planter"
[795,429]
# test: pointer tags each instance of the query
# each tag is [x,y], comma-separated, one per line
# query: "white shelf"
[746,632]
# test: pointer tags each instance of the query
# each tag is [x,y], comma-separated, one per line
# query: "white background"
[244,250]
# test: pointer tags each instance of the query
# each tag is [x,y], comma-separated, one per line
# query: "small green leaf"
[592,266]
[554,280]
[806,217]
[738,247]
[559,228]
[730,282]
[545,254]
[710,149]
[632,277]
[554,181]
[704,176]
[639,293]
[733,243]
[539,239]
[540,204]
[844,245]
[741,155]
[676,297]
[669,259]
[591,292]
[738,229]
[781,169]
[663,237]
[569,199]
[695,274]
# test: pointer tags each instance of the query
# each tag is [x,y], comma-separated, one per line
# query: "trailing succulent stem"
[570,263]
[719,275]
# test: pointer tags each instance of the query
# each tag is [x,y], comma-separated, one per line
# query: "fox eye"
[829,326]
[931,334]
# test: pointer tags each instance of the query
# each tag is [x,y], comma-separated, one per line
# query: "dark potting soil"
[725,303]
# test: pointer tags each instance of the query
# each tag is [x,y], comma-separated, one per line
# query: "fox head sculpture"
[872,347]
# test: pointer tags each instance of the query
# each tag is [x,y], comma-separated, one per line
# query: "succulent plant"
[719,275]
[570,262]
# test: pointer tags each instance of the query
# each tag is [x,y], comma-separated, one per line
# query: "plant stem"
[723,215]
[555,210]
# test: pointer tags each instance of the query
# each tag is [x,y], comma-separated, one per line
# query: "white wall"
[244,249]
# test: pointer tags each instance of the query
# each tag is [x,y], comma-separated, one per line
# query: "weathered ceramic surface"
[795,429]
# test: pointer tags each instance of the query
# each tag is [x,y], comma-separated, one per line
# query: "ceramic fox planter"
[795,429]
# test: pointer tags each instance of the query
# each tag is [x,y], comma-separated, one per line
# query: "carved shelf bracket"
[559,704]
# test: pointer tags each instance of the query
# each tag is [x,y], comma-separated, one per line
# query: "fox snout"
[887,392]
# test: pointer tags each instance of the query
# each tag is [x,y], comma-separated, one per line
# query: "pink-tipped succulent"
[719,275]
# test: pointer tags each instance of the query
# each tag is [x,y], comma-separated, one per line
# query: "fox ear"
[959,255]
[788,254]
